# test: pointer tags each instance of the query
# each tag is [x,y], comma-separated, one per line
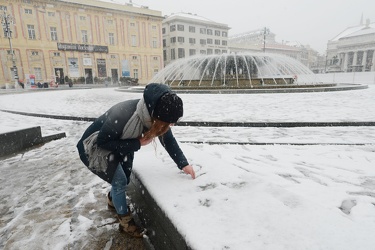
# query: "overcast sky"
[312,22]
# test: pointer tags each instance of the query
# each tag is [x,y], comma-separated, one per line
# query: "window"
[6,32]
[209,32]
[209,51]
[34,53]
[224,51]
[224,42]
[154,42]
[209,41]
[217,51]
[134,40]
[192,40]
[192,29]
[132,24]
[4,8]
[31,32]
[163,30]
[82,18]
[164,55]
[135,73]
[217,32]
[134,57]
[154,27]
[224,33]
[181,52]
[53,32]
[113,56]
[203,41]
[29,11]
[217,42]
[172,28]
[180,27]
[56,53]
[181,39]
[202,52]
[84,36]
[191,52]
[111,38]
[38,74]
[173,54]
[203,30]
[173,39]
[102,70]
[164,43]
[110,21]
[51,14]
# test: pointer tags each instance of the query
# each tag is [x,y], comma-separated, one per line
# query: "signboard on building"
[73,67]
[82,47]
[87,61]
[125,71]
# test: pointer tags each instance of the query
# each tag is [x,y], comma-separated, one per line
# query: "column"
[345,66]
[364,59]
[354,64]
[342,61]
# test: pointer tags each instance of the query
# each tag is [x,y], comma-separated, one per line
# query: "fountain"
[240,73]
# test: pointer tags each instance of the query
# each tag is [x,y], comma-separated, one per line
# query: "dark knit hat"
[169,108]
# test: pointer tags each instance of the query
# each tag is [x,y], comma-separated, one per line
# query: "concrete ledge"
[161,231]
[217,124]
[257,90]
[16,141]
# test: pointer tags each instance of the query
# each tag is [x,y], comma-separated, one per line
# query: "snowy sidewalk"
[245,196]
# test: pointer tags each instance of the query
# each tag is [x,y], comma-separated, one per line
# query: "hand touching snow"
[189,170]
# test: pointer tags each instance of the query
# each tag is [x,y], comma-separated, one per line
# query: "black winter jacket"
[111,124]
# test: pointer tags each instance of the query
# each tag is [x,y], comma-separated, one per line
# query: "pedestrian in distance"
[108,145]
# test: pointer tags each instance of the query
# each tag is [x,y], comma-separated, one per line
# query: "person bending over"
[107,146]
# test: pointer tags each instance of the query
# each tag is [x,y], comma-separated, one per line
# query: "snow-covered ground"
[244,197]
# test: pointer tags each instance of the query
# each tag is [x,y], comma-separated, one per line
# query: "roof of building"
[257,32]
[361,29]
[189,15]
[117,5]
[193,17]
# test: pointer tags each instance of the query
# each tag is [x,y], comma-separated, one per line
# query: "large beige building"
[87,39]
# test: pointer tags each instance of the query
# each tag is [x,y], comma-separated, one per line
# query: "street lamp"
[7,20]
[266,31]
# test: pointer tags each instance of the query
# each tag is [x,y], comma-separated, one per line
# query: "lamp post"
[266,31]
[7,20]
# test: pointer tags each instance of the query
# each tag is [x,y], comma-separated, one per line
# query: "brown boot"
[127,224]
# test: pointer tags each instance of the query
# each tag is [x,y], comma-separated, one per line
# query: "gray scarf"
[98,157]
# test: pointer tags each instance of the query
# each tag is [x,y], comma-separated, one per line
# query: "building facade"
[262,40]
[352,50]
[185,34]
[87,40]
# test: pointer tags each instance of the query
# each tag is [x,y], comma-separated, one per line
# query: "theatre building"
[353,50]
[84,41]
